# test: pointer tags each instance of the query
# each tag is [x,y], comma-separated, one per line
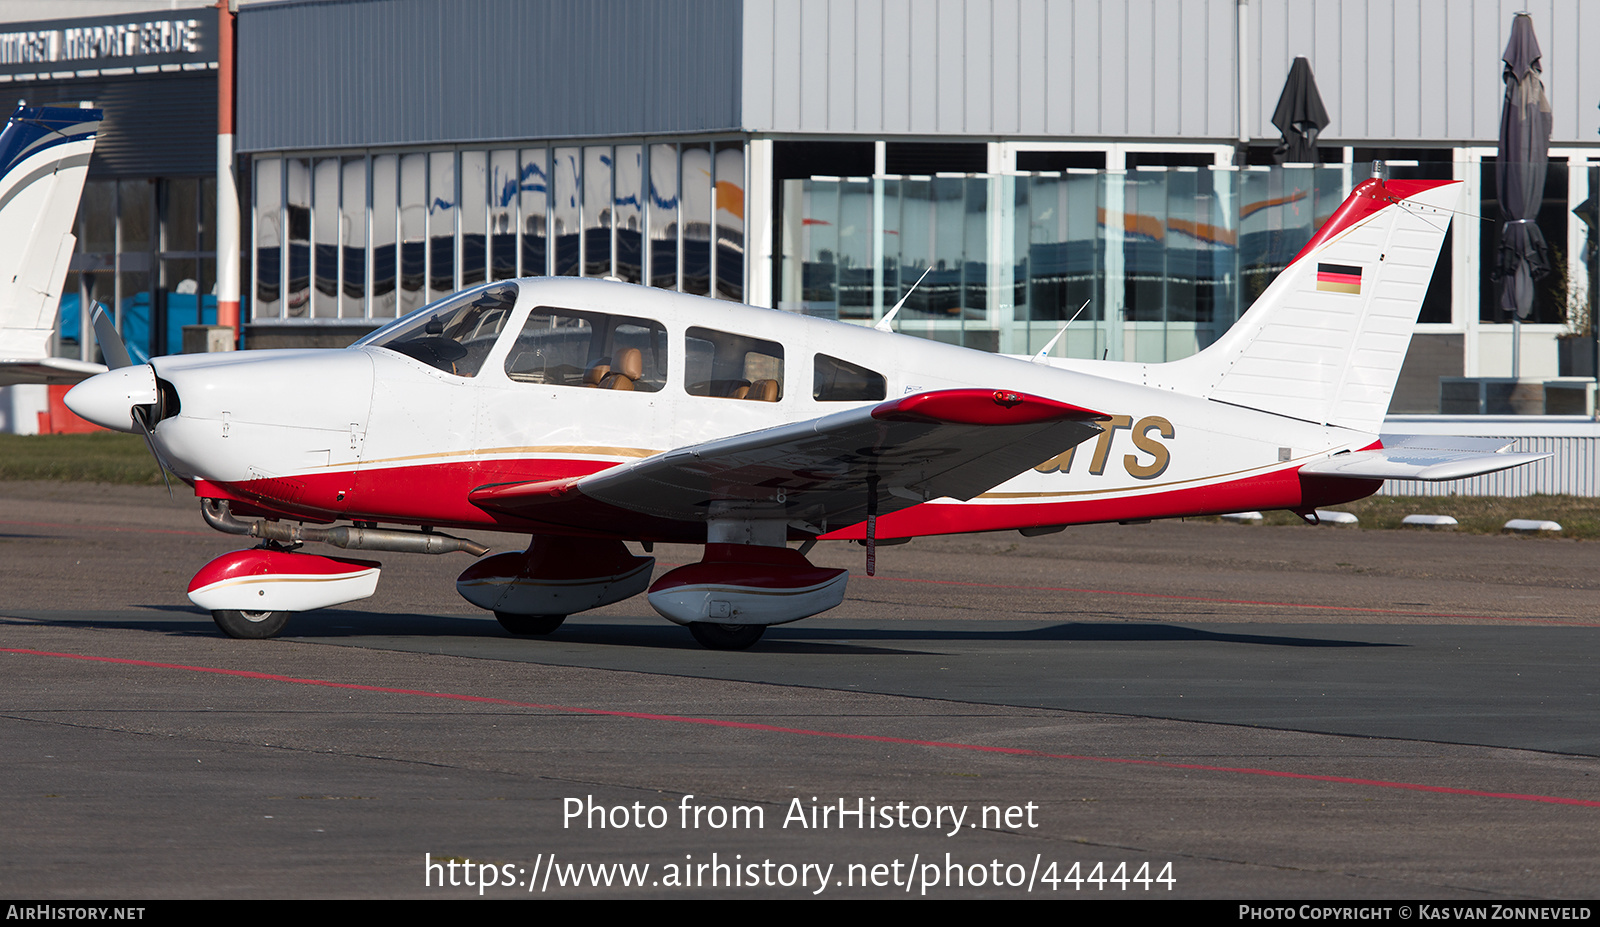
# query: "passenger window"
[568,347]
[835,380]
[729,366]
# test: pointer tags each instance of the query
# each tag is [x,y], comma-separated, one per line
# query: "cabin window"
[455,334]
[835,380]
[729,366]
[569,347]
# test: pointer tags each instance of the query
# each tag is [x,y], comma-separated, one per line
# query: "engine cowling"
[739,584]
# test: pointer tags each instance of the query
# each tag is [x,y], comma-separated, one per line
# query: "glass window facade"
[376,235]
[146,249]
[1164,258]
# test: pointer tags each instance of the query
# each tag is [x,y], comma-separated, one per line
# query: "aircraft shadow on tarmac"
[651,633]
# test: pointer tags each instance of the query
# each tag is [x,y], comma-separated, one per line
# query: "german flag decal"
[1339,278]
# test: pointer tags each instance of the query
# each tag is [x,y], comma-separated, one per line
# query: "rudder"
[1326,341]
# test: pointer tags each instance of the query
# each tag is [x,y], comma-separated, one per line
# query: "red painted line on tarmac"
[834,735]
[1195,598]
[49,524]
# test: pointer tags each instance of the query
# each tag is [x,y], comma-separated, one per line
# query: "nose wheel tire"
[250,625]
[522,625]
[726,636]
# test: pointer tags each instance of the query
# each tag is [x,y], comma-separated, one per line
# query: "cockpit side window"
[454,334]
[835,380]
[730,366]
[571,347]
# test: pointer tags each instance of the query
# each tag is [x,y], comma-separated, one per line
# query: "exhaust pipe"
[350,537]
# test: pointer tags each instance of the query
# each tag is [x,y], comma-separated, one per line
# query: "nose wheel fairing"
[263,579]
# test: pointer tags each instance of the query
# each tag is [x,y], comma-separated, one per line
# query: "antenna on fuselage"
[1039,358]
[888,317]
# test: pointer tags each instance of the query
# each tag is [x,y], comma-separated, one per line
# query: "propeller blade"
[139,415]
[105,331]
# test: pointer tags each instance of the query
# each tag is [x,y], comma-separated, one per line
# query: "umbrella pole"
[1516,348]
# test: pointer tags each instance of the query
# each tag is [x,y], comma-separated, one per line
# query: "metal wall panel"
[160,125]
[355,73]
[1408,70]
[990,67]
[1390,71]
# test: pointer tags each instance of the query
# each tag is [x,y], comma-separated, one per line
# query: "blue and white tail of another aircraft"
[44,157]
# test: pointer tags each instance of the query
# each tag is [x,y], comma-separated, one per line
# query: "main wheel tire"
[249,625]
[726,636]
[529,624]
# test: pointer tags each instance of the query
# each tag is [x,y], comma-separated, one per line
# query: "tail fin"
[44,156]
[1325,342]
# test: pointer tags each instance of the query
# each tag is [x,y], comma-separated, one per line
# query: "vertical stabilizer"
[44,157]
[1325,342]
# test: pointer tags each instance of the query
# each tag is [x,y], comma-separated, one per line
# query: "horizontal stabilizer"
[1423,457]
[47,370]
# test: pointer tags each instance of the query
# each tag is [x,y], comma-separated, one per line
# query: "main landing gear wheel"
[726,636]
[529,624]
[248,625]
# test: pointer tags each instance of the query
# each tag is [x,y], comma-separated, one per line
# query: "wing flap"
[955,443]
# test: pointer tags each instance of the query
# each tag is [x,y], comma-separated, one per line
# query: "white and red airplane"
[44,158]
[586,413]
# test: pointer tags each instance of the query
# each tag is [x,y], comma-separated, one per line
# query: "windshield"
[454,334]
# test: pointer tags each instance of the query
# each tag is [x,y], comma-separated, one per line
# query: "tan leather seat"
[629,368]
[763,391]
[596,374]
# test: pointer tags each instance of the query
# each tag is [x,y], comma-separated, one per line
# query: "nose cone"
[107,399]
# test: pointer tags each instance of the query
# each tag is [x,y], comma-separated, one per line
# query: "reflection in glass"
[208,214]
[474,217]
[97,217]
[835,380]
[695,216]
[565,215]
[664,216]
[179,212]
[455,335]
[597,209]
[503,214]
[729,366]
[353,226]
[327,234]
[442,217]
[385,215]
[730,220]
[534,183]
[134,201]
[134,312]
[567,347]
[626,212]
[413,231]
[854,256]
[268,267]
[297,188]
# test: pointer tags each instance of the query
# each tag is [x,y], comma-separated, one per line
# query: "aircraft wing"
[1423,457]
[49,370]
[822,472]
